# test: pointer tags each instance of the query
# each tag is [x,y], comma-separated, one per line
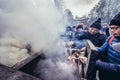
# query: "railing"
[91,54]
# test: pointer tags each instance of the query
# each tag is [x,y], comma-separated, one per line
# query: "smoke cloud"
[80,7]
[52,69]
[38,23]
[34,22]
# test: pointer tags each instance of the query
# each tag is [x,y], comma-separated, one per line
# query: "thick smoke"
[56,70]
[80,7]
[38,23]
[34,22]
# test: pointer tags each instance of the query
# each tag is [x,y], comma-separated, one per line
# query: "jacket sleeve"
[82,35]
[103,38]
[109,67]
[103,49]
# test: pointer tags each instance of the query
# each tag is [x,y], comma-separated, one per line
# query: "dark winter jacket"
[97,39]
[108,71]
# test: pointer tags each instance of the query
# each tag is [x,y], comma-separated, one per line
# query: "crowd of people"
[107,41]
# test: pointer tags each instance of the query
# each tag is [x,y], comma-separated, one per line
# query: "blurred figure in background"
[69,34]
[105,29]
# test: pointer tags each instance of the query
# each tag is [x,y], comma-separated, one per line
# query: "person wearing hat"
[68,33]
[79,30]
[110,69]
[79,43]
[94,34]
[109,66]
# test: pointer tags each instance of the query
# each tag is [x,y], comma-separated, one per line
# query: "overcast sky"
[80,7]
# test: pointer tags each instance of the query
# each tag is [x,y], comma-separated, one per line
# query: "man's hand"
[83,59]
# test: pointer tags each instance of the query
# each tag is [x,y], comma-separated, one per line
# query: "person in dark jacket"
[68,35]
[79,43]
[94,34]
